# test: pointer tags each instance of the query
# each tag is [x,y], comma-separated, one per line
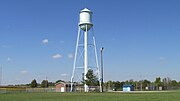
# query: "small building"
[128,88]
[160,88]
[63,86]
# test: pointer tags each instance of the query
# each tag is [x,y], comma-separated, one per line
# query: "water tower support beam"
[75,58]
[85,57]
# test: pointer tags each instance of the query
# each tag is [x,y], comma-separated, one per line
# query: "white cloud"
[45,41]
[24,72]
[9,59]
[70,56]
[64,74]
[57,56]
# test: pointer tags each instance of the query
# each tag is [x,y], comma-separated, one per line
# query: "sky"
[38,38]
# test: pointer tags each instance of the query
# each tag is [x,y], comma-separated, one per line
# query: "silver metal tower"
[85,54]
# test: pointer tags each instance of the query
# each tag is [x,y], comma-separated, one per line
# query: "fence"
[2,90]
[44,90]
[26,90]
[12,90]
[91,89]
[40,90]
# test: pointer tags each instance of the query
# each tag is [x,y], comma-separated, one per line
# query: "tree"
[145,83]
[91,80]
[34,84]
[158,82]
[179,84]
[166,83]
[174,83]
[116,85]
[108,85]
[59,81]
[44,84]
[51,83]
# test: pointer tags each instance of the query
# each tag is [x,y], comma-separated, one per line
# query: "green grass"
[157,96]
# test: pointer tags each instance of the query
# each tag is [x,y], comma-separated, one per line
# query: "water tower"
[85,54]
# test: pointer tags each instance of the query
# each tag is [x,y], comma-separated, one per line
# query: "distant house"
[128,88]
[63,86]
[66,87]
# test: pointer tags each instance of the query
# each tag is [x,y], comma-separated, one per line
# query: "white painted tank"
[85,19]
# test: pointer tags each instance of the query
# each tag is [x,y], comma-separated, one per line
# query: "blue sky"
[141,38]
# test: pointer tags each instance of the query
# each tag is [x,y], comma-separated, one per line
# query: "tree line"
[158,84]
[164,84]
[44,84]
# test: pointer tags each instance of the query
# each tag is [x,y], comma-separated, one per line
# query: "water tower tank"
[85,19]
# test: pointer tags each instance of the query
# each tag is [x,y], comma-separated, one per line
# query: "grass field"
[150,96]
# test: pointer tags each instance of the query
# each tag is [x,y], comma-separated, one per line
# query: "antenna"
[84,3]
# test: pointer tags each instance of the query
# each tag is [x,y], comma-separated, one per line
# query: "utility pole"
[141,84]
[102,68]
[46,83]
[1,76]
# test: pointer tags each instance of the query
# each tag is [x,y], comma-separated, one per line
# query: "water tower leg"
[85,58]
[75,58]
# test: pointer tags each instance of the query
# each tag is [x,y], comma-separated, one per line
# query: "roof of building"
[66,83]
[128,85]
